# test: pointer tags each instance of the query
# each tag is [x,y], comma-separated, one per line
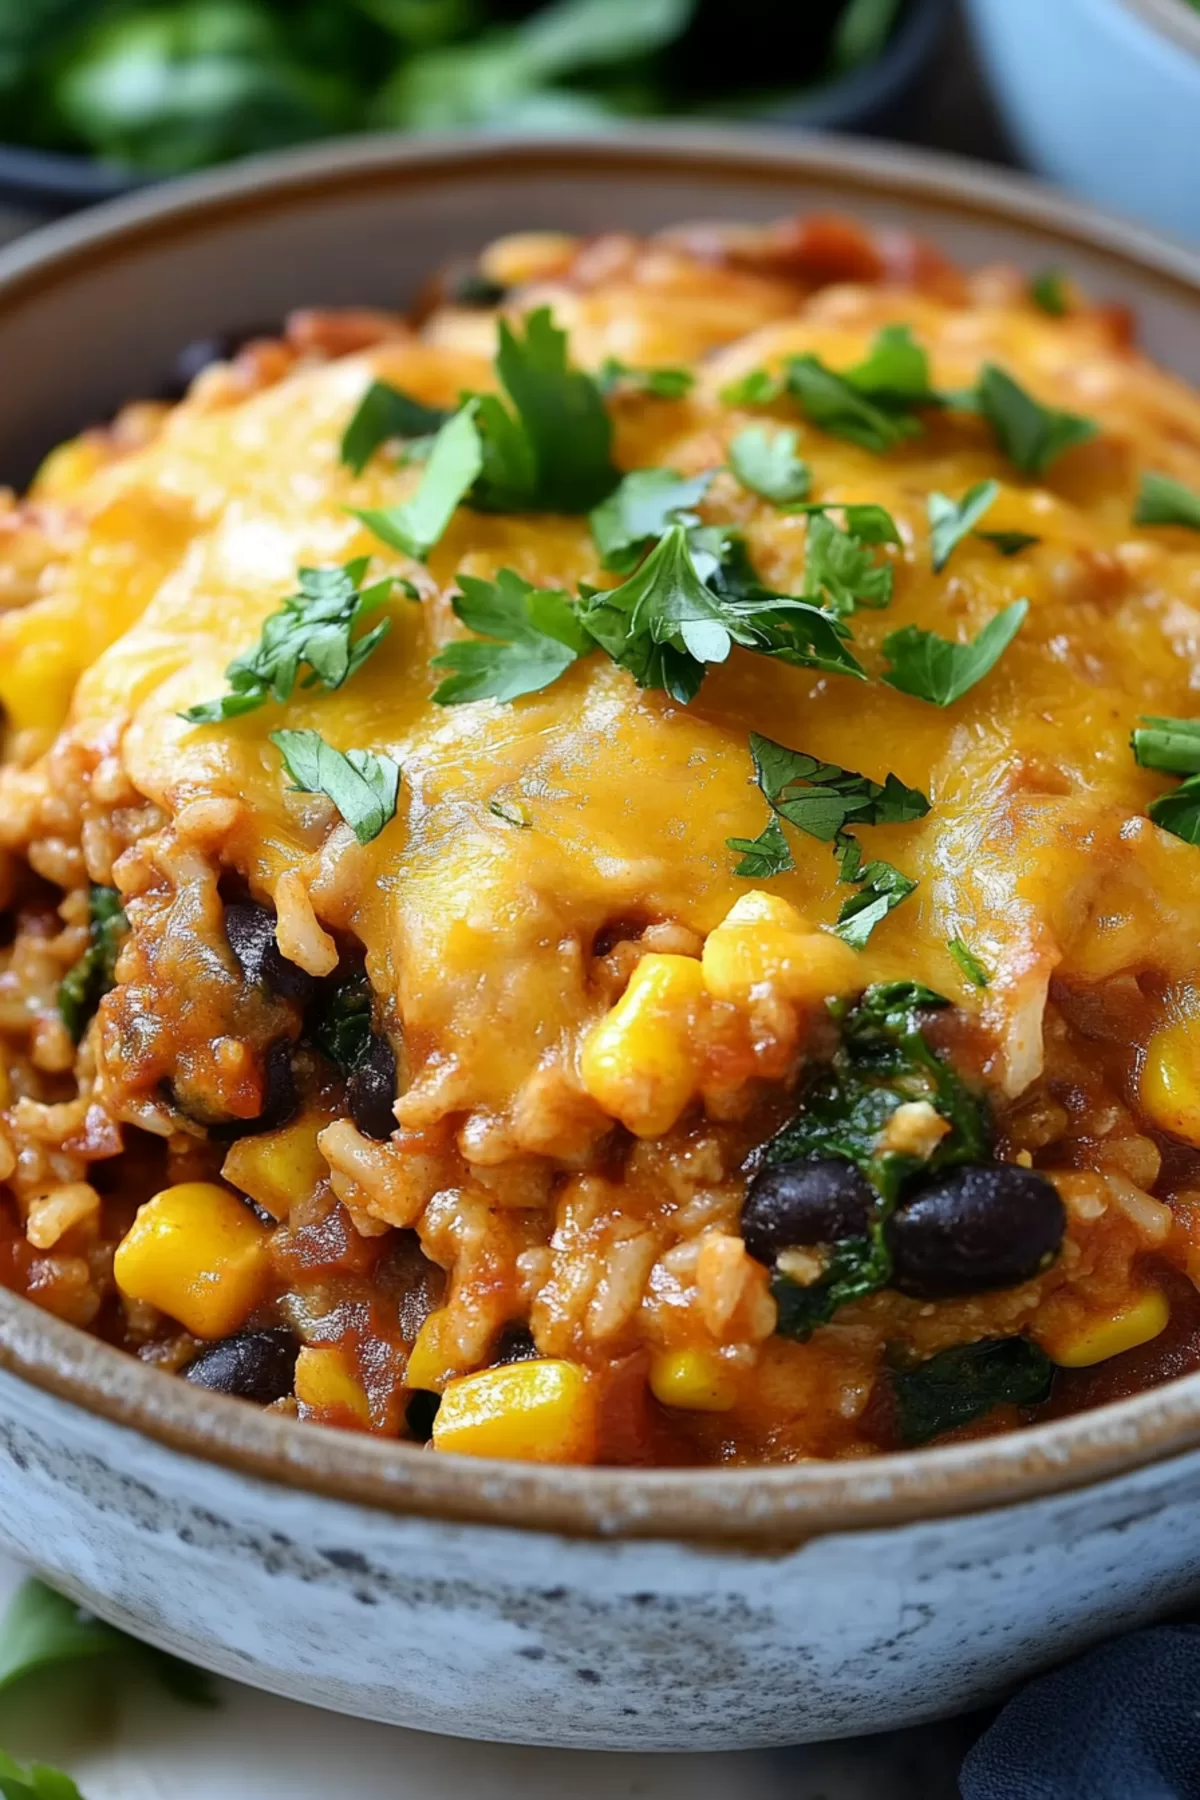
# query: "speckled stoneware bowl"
[606,1608]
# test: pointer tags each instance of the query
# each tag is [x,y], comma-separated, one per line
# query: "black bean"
[251,933]
[797,1203]
[371,1090]
[254,1365]
[472,287]
[420,1413]
[515,1344]
[988,1225]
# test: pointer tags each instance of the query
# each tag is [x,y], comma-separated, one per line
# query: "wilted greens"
[159,88]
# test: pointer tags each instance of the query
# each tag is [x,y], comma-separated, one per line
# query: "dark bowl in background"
[873,100]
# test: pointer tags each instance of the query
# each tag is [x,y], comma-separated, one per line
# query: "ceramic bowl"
[1103,96]
[591,1607]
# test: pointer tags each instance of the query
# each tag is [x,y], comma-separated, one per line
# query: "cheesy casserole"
[611,872]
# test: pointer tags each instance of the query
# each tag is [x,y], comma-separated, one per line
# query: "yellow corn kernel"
[431,1362]
[694,1380]
[1170,1084]
[1097,1340]
[762,942]
[637,1062]
[279,1166]
[194,1251]
[541,1412]
[326,1382]
[70,467]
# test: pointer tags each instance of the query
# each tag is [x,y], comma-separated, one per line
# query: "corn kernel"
[541,1412]
[431,1361]
[1097,1340]
[1170,1084]
[279,1166]
[764,942]
[195,1252]
[637,1062]
[326,1382]
[693,1380]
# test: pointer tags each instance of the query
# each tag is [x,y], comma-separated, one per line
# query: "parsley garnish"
[932,668]
[454,463]
[768,465]
[87,981]
[639,510]
[534,636]
[385,412]
[895,372]
[758,388]
[1009,543]
[1164,501]
[950,520]
[873,404]
[313,626]
[1031,435]
[1048,291]
[838,565]
[553,452]
[767,854]
[839,406]
[661,384]
[966,1381]
[969,963]
[881,888]
[1172,747]
[362,784]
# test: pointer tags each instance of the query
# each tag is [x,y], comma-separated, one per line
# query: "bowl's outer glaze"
[598,1608]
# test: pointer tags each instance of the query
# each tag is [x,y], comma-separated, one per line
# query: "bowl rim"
[1177,20]
[756,1508]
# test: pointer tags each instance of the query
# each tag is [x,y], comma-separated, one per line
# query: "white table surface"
[122,1738]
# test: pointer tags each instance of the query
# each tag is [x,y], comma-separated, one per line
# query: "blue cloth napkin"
[1121,1723]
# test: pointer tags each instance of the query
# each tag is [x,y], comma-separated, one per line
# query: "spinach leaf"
[1163,501]
[386,412]
[363,785]
[967,1381]
[932,668]
[86,983]
[530,636]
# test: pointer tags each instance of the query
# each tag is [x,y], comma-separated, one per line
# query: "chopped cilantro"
[951,520]
[88,980]
[869,523]
[1048,291]
[822,799]
[1164,501]
[1172,746]
[838,565]
[1009,543]
[1031,435]
[512,812]
[639,510]
[767,854]
[314,626]
[454,463]
[895,372]
[882,888]
[385,412]
[768,465]
[362,784]
[932,668]
[837,405]
[758,388]
[882,1061]
[660,384]
[965,1382]
[531,636]
[969,963]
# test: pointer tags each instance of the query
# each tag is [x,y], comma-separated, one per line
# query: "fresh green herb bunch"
[160,86]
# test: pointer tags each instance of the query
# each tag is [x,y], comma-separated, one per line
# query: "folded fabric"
[1121,1723]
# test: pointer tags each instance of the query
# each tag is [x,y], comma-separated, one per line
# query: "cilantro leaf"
[1179,811]
[932,668]
[950,521]
[769,465]
[962,1383]
[1031,435]
[969,963]
[883,888]
[767,854]
[895,372]
[554,455]
[660,384]
[837,405]
[386,412]
[758,388]
[45,1630]
[822,799]
[534,637]
[313,626]
[639,510]
[454,464]
[1169,745]
[362,784]
[1009,543]
[1048,291]
[85,984]
[838,565]
[1164,501]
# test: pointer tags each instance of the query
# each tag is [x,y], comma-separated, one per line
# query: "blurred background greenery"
[159,89]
